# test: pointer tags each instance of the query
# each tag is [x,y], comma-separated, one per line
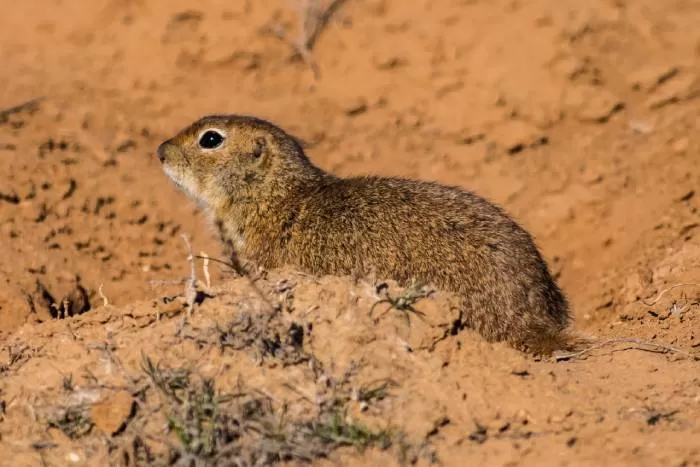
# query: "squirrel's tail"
[560,345]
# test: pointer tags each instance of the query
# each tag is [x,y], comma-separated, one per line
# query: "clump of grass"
[266,335]
[170,382]
[375,391]
[404,303]
[18,355]
[247,428]
[67,383]
[73,421]
[198,423]
[337,431]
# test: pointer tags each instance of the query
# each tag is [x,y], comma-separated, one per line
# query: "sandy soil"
[579,117]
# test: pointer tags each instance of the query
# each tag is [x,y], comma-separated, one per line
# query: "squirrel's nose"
[162,149]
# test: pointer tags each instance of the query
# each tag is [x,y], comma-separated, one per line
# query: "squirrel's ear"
[259,147]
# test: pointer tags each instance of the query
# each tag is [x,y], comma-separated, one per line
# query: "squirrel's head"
[226,158]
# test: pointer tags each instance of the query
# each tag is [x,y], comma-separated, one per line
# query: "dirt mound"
[579,119]
[288,368]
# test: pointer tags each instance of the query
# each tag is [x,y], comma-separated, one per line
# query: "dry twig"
[312,21]
[668,289]
[238,268]
[105,302]
[655,347]
[191,281]
[28,105]
[205,268]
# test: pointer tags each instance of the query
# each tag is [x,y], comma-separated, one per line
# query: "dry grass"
[244,426]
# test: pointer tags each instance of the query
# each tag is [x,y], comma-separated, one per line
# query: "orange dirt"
[579,117]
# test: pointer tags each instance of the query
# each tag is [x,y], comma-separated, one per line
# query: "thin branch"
[663,292]
[28,105]
[191,282]
[321,22]
[312,23]
[656,347]
[298,47]
[205,268]
[236,266]
[105,302]
[220,261]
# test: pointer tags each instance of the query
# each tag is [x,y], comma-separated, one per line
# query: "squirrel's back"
[414,230]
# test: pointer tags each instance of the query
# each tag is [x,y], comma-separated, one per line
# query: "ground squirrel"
[274,207]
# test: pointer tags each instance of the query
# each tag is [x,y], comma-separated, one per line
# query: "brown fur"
[272,206]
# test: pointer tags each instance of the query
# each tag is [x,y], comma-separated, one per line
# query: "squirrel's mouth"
[168,153]
[172,175]
[185,184]
[177,179]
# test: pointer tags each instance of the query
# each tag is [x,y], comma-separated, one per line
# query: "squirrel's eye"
[211,139]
